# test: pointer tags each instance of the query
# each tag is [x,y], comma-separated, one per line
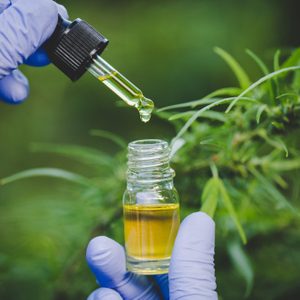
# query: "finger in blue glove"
[106,259]
[104,294]
[191,274]
[14,87]
[24,26]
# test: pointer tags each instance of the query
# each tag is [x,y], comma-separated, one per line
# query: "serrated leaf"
[242,264]
[48,172]
[239,72]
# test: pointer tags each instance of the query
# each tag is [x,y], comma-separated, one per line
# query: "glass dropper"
[75,47]
[122,87]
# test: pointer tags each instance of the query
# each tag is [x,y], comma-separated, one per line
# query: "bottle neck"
[149,165]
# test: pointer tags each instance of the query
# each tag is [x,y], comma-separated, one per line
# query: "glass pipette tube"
[122,87]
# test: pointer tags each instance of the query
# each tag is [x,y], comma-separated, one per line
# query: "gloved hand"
[191,273]
[24,26]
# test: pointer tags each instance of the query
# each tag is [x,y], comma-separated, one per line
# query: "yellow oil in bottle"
[150,230]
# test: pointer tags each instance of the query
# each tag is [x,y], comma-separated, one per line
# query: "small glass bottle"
[150,206]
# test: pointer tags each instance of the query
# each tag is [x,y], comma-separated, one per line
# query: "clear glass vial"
[150,206]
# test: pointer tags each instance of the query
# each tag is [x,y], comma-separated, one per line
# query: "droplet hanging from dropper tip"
[145,109]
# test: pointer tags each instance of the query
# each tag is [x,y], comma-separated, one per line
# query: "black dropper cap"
[73,45]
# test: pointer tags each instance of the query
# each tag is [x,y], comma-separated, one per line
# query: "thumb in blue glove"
[191,273]
[24,26]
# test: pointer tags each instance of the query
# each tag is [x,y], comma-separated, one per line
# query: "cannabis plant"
[236,155]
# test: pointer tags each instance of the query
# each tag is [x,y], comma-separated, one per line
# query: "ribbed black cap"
[73,45]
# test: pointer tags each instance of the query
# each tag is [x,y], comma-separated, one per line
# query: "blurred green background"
[165,48]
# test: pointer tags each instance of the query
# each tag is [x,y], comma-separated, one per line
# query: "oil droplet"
[145,109]
[122,87]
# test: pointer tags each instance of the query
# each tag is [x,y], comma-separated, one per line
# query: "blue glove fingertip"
[191,273]
[14,88]
[104,294]
[38,59]
[106,259]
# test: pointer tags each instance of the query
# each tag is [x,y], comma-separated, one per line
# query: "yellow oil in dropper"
[121,86]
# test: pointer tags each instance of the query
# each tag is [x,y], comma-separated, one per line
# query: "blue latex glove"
[24,26]
[191,274]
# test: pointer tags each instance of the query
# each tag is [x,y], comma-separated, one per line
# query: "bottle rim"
[148,160]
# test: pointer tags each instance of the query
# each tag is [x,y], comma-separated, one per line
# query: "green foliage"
[49,172]
[215,191]
[253,143]
[246,136]
[242,264]
[210,196]
[239,72]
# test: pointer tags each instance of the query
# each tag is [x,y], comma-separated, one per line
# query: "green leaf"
[260,110]
[258,82]
[264,70]
[276,65]
[198,113]
[277,60]
[285,165]
[48,172]
[293,60]
[275,142]
[272,191]
[280,181]
[210,98]
[213,115]
[235,66]
[193,103]
[283,146]
[79,153]
[210,196]
[231,210]
[176,147]
[214,169]
[242,264]
[296,81]
[258,61]
[227,91]
[110,136]
[295,95]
